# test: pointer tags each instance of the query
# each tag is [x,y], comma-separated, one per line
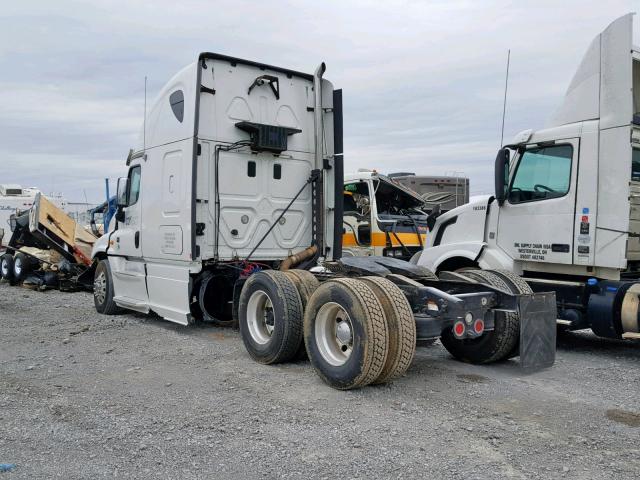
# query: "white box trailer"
[238,179]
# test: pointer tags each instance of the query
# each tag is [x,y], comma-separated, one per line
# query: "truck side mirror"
[501,175]
[123,186]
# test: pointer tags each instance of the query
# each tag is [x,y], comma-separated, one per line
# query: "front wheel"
[103,290]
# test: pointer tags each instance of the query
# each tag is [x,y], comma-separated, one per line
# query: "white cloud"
[422,80]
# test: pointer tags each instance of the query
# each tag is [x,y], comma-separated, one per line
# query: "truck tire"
[494,345]
[402,327]
[270,317]
[103,290]
[306,283]
[346,333]
[21,266]
[518,285]
[6,268]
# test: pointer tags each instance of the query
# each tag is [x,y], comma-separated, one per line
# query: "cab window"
[635,165]
[541,174]
[134,185]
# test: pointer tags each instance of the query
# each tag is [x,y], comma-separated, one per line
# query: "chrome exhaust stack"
[317,112]
[318,186]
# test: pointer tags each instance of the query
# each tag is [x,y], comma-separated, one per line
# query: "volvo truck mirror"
[502,174]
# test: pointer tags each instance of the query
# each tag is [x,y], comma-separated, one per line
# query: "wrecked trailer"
[47,249]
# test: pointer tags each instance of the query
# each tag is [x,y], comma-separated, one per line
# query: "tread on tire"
[358,305]
[401,324]
[106,305]
[270,317]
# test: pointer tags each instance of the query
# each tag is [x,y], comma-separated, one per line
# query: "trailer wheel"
[306,283]
[270,317]
[346,333]
[495,345]
[21,266]
[402,327]
[6,268]
[103,290]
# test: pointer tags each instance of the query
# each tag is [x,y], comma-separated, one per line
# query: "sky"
[423,81]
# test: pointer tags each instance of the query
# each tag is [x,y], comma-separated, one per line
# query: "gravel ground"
[131,396]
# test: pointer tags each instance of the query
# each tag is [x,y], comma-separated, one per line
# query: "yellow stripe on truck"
[379,239]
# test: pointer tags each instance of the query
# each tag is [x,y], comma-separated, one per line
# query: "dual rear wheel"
[15,268]
[355,331]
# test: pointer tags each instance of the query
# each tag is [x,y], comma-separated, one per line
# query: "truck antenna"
[504,104]
[144,122]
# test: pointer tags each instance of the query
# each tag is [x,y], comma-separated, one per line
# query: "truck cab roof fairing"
[601,86]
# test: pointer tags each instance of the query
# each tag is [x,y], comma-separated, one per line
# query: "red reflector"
[458,329]
[478,326]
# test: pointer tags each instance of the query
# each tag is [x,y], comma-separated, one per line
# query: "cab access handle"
[136,239]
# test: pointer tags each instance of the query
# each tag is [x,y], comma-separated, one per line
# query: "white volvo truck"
[238,179]
[566,211]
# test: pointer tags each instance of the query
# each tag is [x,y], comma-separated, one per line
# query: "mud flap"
[537,330]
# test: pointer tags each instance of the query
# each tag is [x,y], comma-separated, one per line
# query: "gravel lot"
[88,396]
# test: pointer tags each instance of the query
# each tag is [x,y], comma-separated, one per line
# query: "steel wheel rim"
[17,266]
[5,268]
[260,318]
[334,334]
[100,287]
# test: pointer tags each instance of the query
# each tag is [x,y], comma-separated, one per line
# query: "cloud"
[423,81]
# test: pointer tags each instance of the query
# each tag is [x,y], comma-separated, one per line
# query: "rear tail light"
[459,329]
[478,326]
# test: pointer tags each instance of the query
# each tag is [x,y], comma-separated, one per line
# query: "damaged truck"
[232,211]
[47,249]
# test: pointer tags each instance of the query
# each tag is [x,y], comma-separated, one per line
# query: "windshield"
[391,200]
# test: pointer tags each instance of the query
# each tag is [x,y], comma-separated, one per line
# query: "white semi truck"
[565,215]
[237,179]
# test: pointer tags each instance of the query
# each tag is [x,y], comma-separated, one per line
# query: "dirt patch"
[630,419]
[472,378]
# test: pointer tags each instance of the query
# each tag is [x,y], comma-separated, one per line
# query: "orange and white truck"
[381,217]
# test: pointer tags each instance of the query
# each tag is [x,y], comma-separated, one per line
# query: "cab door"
[125,249]
[536,221]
